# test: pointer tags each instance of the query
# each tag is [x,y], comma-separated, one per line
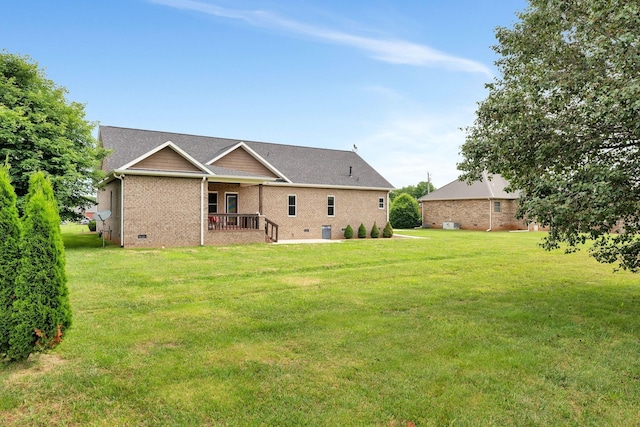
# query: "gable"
[240,160]
[165,159]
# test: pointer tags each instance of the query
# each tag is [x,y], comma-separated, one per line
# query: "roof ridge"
[233,140]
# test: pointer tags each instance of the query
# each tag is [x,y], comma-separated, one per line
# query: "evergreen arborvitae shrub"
[375,232]
[387,232]
[9,255]
[362,231]
[348,232]
[41,309]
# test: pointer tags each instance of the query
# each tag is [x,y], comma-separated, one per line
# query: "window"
[497,207]
[213,202]
[293,204]
[331,206]
[381,203]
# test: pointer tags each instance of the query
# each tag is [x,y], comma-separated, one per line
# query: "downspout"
[490,216]
[202,211]
[387,205]
[121,178]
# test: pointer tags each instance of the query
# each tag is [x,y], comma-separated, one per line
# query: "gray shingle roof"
[485,189]
[301,165]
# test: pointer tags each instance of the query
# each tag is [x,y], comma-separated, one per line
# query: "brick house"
[169,189]
[483,205]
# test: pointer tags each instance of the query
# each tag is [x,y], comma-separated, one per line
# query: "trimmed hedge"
[388,231]
[348,232]
[375,232]
[362,231]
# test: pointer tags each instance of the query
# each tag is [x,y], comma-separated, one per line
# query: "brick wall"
[352,207]
[161,211]
[472,214]
[234,237]
[165,211]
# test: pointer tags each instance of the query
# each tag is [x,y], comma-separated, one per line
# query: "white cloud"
[387,50]
[404,149]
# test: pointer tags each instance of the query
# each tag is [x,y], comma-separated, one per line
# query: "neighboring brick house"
[483,205]
[169,189]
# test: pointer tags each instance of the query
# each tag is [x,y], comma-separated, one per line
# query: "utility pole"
[428,182]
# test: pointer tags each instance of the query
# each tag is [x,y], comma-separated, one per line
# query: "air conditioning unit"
[449,225]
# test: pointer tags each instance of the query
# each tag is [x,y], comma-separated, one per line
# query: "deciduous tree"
[41,131]
[561,123]
[417,191]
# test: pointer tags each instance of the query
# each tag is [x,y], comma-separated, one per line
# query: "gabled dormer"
[241,157]
[167,157]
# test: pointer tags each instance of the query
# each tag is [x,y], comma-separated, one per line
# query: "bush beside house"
[362,231]
[387,232]
[348,232]
[375,232]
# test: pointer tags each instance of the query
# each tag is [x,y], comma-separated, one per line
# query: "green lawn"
[454,328]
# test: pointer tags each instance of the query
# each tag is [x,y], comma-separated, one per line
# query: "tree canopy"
[417,191]
[41,131]
[561,123]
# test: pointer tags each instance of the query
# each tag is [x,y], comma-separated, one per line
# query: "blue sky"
[396,78]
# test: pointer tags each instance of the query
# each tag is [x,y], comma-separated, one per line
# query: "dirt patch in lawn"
[35,365]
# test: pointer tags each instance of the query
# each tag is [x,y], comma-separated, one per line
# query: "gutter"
[490,216]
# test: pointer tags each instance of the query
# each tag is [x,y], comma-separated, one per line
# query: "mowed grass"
[453,328]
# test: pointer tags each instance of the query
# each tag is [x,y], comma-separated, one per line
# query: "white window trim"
[381,203]
[230,193]
[295,206]
[334,205]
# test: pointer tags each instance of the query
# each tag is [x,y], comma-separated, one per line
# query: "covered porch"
[227,220]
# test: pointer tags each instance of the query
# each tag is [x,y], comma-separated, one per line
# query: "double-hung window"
[213,203]
[497,207]
[381,203]
[293,205]
[331,205]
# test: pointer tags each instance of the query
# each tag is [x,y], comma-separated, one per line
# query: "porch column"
[260,198]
